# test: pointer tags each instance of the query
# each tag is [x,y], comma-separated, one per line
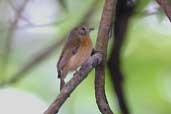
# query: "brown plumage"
[76,51]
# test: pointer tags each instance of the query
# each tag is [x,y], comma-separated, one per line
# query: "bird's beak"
[90,29]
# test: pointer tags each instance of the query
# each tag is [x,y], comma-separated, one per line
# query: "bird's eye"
[83,28]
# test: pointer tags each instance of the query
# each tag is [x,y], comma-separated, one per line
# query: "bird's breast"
[82,54]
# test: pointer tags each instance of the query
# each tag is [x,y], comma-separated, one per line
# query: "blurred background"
[32,33]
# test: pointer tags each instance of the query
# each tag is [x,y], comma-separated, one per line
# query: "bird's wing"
[69,50]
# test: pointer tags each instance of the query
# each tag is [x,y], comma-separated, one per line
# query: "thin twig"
[101,46]
[78,77]
[10,34]
[166,7]
[15,9]
[29,23]
[45,52]
[33,63]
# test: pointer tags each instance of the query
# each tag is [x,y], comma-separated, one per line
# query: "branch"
[46,52]
[15,9]
[166,7]
[101,46]
[29,23]
[33,63]
[123,15]
[78,77]
[10,35]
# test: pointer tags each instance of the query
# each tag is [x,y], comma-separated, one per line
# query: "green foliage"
[141,4]
[145,62]
[169,1]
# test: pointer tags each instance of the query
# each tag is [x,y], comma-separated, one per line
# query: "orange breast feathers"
[82,54]
[86,42]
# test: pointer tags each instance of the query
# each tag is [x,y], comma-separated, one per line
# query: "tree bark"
[124,11]
[101,46]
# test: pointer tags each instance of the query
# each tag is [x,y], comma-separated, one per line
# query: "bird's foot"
[94,51]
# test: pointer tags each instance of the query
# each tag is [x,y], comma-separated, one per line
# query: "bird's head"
[82,30]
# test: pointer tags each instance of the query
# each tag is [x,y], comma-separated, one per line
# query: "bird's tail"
[62,82]
[59,73]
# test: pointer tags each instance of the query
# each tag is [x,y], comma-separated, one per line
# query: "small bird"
[76,51]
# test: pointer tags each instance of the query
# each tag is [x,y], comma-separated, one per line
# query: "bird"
[76,51]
